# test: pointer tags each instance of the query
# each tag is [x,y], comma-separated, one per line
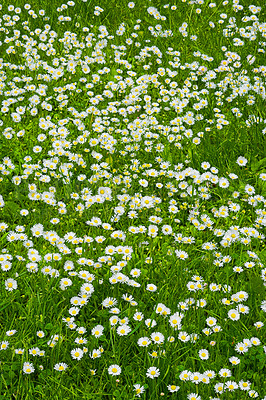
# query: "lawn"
[132,200]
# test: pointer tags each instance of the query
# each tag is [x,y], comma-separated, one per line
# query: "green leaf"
[134,330]
[15,366]
[3,306]
[146,386]
[109,160]
[256,285]
[258,165]
[12,206]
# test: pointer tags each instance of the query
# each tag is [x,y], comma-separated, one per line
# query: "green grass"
[155,151]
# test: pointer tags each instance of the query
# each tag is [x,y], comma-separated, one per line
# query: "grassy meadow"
[132,200]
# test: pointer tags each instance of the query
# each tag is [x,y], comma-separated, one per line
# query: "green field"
[132,200]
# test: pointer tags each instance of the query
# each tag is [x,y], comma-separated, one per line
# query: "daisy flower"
[203,354]
[233,315]
[11,284]
[4,345]
[73,311]
[263,176]
[77,354]
[97,331]
[11,333]
[253,394]
[138,316]
[175,321]
[109,302]
[244,385]
[219,387]
[151,287]
[28,368]
[40,334]
[255,341]
[96,353]
[81,340]
[114,310]
[181,254]
[205,379]
[157,337]
[34,351]
[211,321]
[234,360]
[135,272]
[152,372]
[24,212]
[196,377]
[138,389]
[210,374]
[184,336]
[223,182]
[205,165]
[193,396]
[144,341]
[81,330]
[127,297]
[113,320]
[114,370]
[191,286]
[60,367]
[225,373]
[173,388]
[241,348]
[19,351]
[185,375]
[123,330]
[259,324]
[242,161]
[231,386]
[150,323]
[167,229]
